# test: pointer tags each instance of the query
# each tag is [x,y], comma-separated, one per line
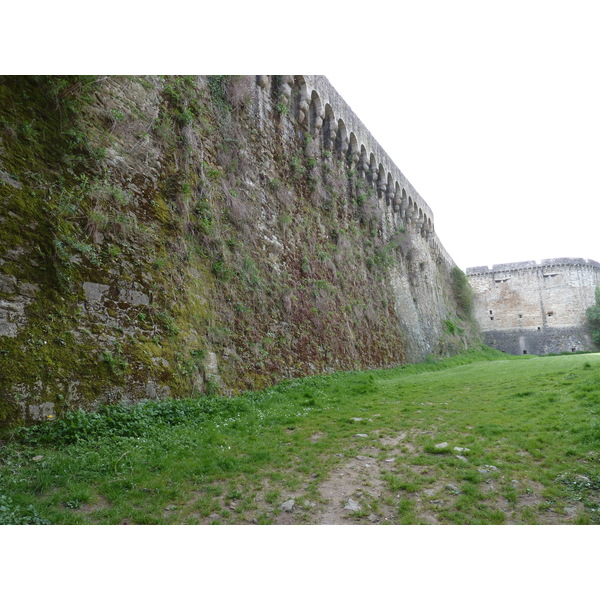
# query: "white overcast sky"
[490,109]
[495,119]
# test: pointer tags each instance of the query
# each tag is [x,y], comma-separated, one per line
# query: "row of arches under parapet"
[316,115]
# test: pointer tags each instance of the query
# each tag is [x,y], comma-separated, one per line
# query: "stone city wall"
[217,234]
[531,308]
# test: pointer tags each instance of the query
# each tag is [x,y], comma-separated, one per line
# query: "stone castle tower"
[531,308]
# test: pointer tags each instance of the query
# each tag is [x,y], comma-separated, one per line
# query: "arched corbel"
[363,162]
[317,113]
[397,199]
[285,89]
[404,206]
[331,127]
[381,183]
[353,153]
[389,196]
[303,106]
[372,173]
[341,141]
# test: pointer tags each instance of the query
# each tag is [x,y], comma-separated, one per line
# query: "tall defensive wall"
[531,308]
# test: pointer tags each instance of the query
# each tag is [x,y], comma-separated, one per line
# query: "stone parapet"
[532,264]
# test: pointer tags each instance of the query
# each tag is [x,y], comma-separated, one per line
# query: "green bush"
[15,515]
[462,291]
[593,319]
[118,421]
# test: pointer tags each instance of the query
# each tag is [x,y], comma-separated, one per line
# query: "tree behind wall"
[593,319]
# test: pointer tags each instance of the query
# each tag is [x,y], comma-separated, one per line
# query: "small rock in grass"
[441,445]
[352,505]
[356,418]
[171,507]
[372,518]
[452,488]
[287,506]
[579,477]
[487,469]
[389,460]
[362,435]
[461,450]
[461,457]
[37,458]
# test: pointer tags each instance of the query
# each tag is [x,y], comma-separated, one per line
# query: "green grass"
[531,426]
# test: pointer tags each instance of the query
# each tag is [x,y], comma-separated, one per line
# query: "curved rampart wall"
[531,264]
[535,308]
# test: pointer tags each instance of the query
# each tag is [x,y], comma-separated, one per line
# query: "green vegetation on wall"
[155,242]
[462,291]
[593,319]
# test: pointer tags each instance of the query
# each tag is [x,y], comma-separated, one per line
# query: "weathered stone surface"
[7,328]
[147,283]
[288,506]
[6,178]
[42,411]
[352,505]
[95,292]
[14,299]
[531,308]
[487,469]
[133,297]
[8,284]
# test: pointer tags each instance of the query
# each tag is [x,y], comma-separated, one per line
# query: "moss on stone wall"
[157,240]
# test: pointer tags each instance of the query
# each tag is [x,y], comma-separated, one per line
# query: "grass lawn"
[476,439]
